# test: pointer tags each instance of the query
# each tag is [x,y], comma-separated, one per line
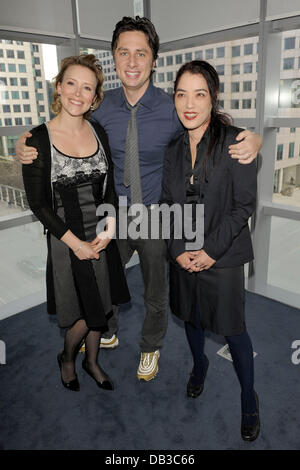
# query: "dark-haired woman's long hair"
[219,118]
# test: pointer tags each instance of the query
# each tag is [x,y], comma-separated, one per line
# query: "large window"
[289,43]
[220,52]
[287,161]
[289,97]
[24,81]
[23,253]
[284,255]
[19,106]
[107,62]
[287,167]
[236,51]
[235,63]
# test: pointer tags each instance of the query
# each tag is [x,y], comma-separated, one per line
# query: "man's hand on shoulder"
[25,154]
[246,150]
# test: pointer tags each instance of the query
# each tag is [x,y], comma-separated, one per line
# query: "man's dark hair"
[144,25]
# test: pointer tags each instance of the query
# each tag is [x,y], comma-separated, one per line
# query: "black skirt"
[218,294]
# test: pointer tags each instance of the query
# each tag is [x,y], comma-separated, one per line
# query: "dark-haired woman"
[207,283]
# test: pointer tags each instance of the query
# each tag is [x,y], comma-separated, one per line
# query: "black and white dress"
[80,286]
[64,192]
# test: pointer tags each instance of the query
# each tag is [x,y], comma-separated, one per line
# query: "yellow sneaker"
[107,343]
[148,366]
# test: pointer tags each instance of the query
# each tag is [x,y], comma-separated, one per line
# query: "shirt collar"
[146,100]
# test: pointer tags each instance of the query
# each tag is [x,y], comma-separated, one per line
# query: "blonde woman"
[71,176]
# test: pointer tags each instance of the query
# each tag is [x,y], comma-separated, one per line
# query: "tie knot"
[133,109]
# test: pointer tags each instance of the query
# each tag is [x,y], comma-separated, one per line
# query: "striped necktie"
[132,163]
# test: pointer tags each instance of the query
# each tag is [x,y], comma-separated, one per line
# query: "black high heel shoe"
[250,432]
[73,384]
[105,384]
[193,391]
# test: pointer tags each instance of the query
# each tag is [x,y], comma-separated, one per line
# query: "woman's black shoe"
[73,384]
[106,384]
[251,432]
[193,391]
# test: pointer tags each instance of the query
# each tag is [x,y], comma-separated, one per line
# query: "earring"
[92,107]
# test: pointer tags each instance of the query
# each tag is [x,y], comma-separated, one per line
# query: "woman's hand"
[100,242]
[81,249]
[247,150]
[85,251]
[103,238]
[200,261]
[184,260]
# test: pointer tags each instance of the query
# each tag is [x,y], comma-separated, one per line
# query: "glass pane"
[284,256]
[286,188]
[108,67]
[25,95]
[235,62]
[12,194]
[25,77]
[289,96]
[23,253]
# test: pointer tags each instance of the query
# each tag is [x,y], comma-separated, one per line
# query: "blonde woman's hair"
[85,60]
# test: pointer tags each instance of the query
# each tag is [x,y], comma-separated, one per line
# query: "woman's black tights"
[242,355]
[73,339]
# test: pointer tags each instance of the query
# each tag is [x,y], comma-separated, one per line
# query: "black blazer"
[228,195]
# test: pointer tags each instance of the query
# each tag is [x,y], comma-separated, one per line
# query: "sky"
[50,61]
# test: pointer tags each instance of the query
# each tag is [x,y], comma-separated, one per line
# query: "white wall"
[280,9]
[37,16]
[97,18]
[177,20]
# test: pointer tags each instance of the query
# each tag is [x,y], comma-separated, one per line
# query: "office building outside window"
[248,49]
[236,51]
[287,166]
[235,87]
[291,149]
[209,54]
[248,67]
[235,69]
[220,69]
[288,63]
[247,86]
[220,52]
[246,104]
[289,43]
[279,151]
[18,106]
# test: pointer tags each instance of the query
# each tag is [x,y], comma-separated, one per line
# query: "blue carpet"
[38,413]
